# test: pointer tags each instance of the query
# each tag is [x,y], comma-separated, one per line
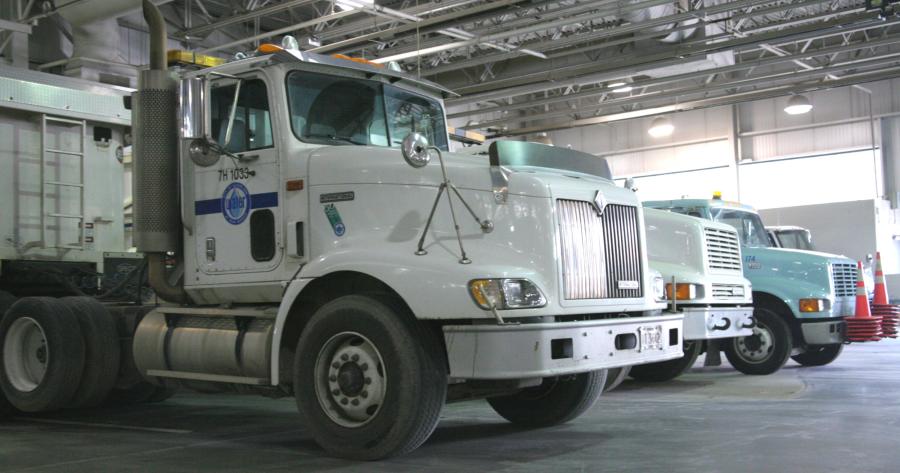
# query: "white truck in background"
[328,247]
[701,268]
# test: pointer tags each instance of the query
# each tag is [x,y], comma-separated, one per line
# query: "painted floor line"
[105,426]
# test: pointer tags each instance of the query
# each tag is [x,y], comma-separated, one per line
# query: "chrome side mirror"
[192,101]
[415,150]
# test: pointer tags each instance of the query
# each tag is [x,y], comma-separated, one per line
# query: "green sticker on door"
[334,218]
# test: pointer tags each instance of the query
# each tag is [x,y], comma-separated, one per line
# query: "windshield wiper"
[345,139]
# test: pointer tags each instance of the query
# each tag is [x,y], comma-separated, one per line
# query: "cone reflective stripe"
[890,314]
[881,296]
[863,326]
[862,298]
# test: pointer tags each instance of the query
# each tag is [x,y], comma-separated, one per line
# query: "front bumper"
[824,332]
[558,348]
[706,323]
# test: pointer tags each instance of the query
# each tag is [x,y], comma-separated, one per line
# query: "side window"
[252,127]
[262,235]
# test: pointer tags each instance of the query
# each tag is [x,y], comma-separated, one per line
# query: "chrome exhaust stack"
[157,216]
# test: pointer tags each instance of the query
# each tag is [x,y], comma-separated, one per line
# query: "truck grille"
[727,291]
[601,256]
[844,275]
[723,249]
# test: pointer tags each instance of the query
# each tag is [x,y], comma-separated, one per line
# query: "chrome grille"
[723,249]
[844,276]
[727,291]
[601,256]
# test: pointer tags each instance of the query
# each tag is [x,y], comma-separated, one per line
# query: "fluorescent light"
[661,127]
[615,85]
[353,4]
[623,90]
[798,105]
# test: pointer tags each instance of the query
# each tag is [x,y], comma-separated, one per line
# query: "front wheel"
[819,355]
[669,369]
[764,352]
[369,380]
[556,401]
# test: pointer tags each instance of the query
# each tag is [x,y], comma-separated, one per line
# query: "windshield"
[795,239]
[338,110]
[748,225]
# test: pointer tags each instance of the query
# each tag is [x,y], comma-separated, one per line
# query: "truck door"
[236,201]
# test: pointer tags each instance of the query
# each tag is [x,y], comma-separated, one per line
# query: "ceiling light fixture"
[798,105]
[661,127]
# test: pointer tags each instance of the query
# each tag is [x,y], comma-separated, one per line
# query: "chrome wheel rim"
[756,348]
[350,379]
[25,354]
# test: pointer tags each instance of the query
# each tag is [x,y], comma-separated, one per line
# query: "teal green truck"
[799,297]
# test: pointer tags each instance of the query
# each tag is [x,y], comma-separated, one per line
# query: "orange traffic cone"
[862,327]
[890,314]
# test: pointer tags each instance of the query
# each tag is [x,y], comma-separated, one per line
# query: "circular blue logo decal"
[235,203]
[339,229]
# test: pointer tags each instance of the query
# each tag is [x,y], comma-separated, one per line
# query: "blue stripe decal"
[265,200]
[257,201]
[206,207]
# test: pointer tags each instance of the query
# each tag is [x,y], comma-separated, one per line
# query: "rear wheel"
[819,355]
[369,379]
[764,352]
[615,377]
[101,341]
[556,401]
[6,300]
[670,369]
[43,354]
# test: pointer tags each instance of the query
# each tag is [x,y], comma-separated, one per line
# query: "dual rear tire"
[57,353]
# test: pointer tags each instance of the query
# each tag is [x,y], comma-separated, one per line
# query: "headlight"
[814,305]
[506,294]
[659,288]
[683,291]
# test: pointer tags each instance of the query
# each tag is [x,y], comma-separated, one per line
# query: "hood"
[379,165]
[798,256]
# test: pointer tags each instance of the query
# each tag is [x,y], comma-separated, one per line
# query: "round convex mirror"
[415,150]
[201,154]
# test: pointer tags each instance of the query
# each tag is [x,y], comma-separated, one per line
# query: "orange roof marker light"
[269,48]
[357,59]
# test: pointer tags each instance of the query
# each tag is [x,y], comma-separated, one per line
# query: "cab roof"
[708,203]
[282,55]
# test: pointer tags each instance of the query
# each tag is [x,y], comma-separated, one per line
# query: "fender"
[791,294]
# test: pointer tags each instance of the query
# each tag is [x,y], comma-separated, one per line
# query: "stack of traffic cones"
[889,313]
[862,327]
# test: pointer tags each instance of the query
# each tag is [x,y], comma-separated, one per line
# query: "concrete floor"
[840,418]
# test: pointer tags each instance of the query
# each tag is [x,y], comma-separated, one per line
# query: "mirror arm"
[237,93]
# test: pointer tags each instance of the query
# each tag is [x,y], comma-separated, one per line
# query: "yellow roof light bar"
[182,57]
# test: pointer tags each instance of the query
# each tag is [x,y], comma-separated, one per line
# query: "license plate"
[651,337]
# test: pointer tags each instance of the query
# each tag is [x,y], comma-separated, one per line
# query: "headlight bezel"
[506,294]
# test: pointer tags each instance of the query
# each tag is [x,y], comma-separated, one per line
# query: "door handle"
[245,158]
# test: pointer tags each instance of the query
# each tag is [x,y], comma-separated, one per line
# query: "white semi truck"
[314,258]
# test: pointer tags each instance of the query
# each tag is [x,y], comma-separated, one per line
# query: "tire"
[556,401]
[615,377]
[6,301]
[43,354]
[102,353]
[372,352]
[820,355]
[764,352]
[670,369]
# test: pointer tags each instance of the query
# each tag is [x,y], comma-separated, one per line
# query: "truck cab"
[700,264]
[790,236]
[799,297]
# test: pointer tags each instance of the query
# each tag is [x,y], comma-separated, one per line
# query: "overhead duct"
[660,11]
[95,40]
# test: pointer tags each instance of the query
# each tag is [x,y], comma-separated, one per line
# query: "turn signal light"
[683,291]
[812,305]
